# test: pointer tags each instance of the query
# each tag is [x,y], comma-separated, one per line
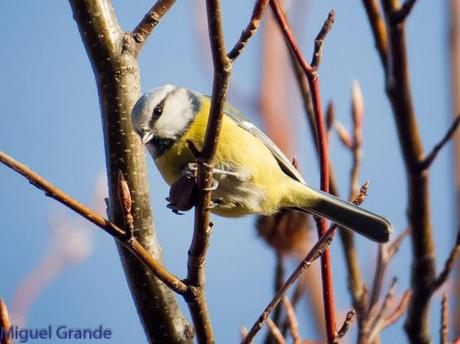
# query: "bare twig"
[316,251]
[319,41]
[384,256]
[448,265]
[398,89]
[405,10]
[378,29]
[444,330]
[200,241]
[292,321]
[349,318]
[344,135]
[151,19]
[426,163]
[250,30]
[379,320]
[52,191]
[275,331]
[399,310]
[4,323]
[313,81]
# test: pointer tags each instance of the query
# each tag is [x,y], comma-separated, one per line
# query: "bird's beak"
[146,137]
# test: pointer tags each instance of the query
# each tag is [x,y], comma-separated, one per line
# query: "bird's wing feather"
[244,123]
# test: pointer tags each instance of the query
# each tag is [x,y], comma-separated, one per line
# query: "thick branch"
[405,10]
[52,191]
[399,93]
[112,55]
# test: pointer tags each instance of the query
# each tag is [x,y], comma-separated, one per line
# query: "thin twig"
[151,19]
[134,246]
[250,30]
[313,80]
[319,41]
[379,320]
[444,331]
[275,331]
[426,163]
[448,265]
[316,251]
[293,325]
[399,310]
[384,256]
[349,318]
[378,29]
[4,323]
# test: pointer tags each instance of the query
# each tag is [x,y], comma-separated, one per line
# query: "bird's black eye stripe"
[158,110]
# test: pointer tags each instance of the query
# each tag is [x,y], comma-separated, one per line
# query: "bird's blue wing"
[282,160]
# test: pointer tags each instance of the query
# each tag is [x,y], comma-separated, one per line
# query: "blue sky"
[51,121]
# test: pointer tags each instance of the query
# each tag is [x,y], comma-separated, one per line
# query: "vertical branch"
[396,67]
[313,82]
[113,57]
[200,241]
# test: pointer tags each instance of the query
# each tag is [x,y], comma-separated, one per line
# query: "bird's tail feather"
[348,215]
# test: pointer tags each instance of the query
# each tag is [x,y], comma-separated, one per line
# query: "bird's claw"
[213,186]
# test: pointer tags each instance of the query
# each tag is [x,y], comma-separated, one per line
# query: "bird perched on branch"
[252,175]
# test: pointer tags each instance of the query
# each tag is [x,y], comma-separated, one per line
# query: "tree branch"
[399,93]
[316,251]
[134,246]
[401,15]
[428,160]
[378,29]
[151,19]
[349,318]
[448,265]
[250,30]
[200,241]
[313,81]
[112,53]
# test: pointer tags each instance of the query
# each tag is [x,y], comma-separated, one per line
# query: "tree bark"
[112,53]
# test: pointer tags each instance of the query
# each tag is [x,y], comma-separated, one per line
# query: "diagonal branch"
[151,19]
[428,160]
[250,30]
[448,265]
[133,245]
[317,250]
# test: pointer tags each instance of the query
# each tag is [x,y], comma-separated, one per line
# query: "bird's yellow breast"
[238,150]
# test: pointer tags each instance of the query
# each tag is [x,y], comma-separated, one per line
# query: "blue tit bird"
[253,175]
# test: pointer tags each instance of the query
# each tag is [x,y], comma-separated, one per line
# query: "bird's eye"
[158,110]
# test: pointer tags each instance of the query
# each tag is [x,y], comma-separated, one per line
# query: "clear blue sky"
[51,121]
